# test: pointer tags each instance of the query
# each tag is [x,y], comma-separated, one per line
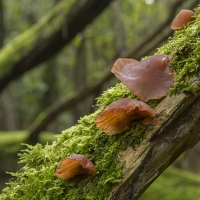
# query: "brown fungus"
[117,116]
[74,165]
[149,79]
[182,19]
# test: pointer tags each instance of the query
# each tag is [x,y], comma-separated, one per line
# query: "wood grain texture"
[176,129]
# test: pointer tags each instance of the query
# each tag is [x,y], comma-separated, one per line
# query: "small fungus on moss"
[149,79]
[117,116]
[182,19]
[74,165]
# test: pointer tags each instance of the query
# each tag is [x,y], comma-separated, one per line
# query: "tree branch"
[46,38]
[176,131]
[144,48]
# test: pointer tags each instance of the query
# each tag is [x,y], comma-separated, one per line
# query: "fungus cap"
[74,165]
[149,79]
[117,116]
[182,19]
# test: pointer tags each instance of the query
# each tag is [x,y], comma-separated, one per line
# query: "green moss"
[185,48]
[36,180]
[118,92]
[113,94]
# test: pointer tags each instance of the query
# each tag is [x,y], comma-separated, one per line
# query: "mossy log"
[177,129]
[129,162]
[154,39]
[44,39]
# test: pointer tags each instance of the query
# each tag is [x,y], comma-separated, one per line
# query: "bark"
[46,38]
[177,130]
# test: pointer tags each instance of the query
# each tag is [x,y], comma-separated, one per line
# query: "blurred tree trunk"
[120,36]
[50,80]
[79,77]
[1,25]
[8,112]
[46,38]
[7,108]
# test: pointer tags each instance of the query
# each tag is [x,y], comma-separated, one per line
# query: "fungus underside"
[36,180]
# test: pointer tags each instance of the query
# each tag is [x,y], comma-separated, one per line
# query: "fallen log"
[129,162]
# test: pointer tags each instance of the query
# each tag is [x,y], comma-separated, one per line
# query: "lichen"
[36,180]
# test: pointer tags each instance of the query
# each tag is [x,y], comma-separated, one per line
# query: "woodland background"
[40,102]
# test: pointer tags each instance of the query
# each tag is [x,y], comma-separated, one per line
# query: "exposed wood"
[176,129]
[46,38]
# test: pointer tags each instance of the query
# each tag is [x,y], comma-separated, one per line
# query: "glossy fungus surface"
[182,19]
[74,165]
[149,79]
[117,116]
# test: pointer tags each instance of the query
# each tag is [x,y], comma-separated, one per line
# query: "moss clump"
[37,177]
[36,180]
[185,48]
[113,94]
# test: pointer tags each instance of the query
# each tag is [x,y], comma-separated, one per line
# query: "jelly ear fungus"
[117,116]
[74,165]
[149,79]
